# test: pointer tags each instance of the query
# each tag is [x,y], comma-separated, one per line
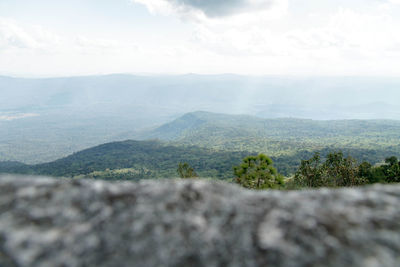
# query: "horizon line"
[145,74]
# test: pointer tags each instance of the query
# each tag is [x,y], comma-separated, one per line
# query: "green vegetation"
[286,141]
[134,160]
[336,171]
[340,171]
[257,172]
[209,145]
[385,173]
[369,140]
[185,171]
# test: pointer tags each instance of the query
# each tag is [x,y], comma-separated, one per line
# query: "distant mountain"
[194,124]
[278,137]
[266,96]
[48,118]
[14,166]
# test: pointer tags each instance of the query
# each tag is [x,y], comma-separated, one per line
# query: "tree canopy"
[338,171]
[186,171]
[257,172]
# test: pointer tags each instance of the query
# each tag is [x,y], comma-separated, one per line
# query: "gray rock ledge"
[57,222]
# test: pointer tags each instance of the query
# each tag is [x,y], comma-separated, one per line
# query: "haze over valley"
[48,118]
[200,133]
[159,88]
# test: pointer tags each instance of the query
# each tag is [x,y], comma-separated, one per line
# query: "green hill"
[44,119]
[213,143]
[134,160]
[280,137]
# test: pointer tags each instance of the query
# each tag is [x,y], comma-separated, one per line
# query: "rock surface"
[49,222]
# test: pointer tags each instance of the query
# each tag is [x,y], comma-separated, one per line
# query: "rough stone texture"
[49,222]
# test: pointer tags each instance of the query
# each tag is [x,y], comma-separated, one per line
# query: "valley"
[213,143]
[53,126]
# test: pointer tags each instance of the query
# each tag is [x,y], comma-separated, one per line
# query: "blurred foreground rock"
[48,222]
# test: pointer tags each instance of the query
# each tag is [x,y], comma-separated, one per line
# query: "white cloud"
[347,42]
[349,30]
[32,49]
[227,11]
[335,41]
[15,36]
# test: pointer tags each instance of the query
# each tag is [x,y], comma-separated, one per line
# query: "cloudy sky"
[258,37]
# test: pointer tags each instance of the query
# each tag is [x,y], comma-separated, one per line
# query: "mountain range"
[44,119]
[213,143]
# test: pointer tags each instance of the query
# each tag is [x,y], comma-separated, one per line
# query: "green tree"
[257,172]
[186,171]
[310,172]
[337,170]
[392,170]
[366,171]
[342,171]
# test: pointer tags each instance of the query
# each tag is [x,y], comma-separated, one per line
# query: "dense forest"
[336,170]
[45,119]
[135,160]
[282,137]
[212,144]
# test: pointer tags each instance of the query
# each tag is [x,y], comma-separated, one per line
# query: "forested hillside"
[45,119]
[364,139]
[213,143]
[134,160]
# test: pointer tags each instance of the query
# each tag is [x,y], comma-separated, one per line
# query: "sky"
[45,38]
